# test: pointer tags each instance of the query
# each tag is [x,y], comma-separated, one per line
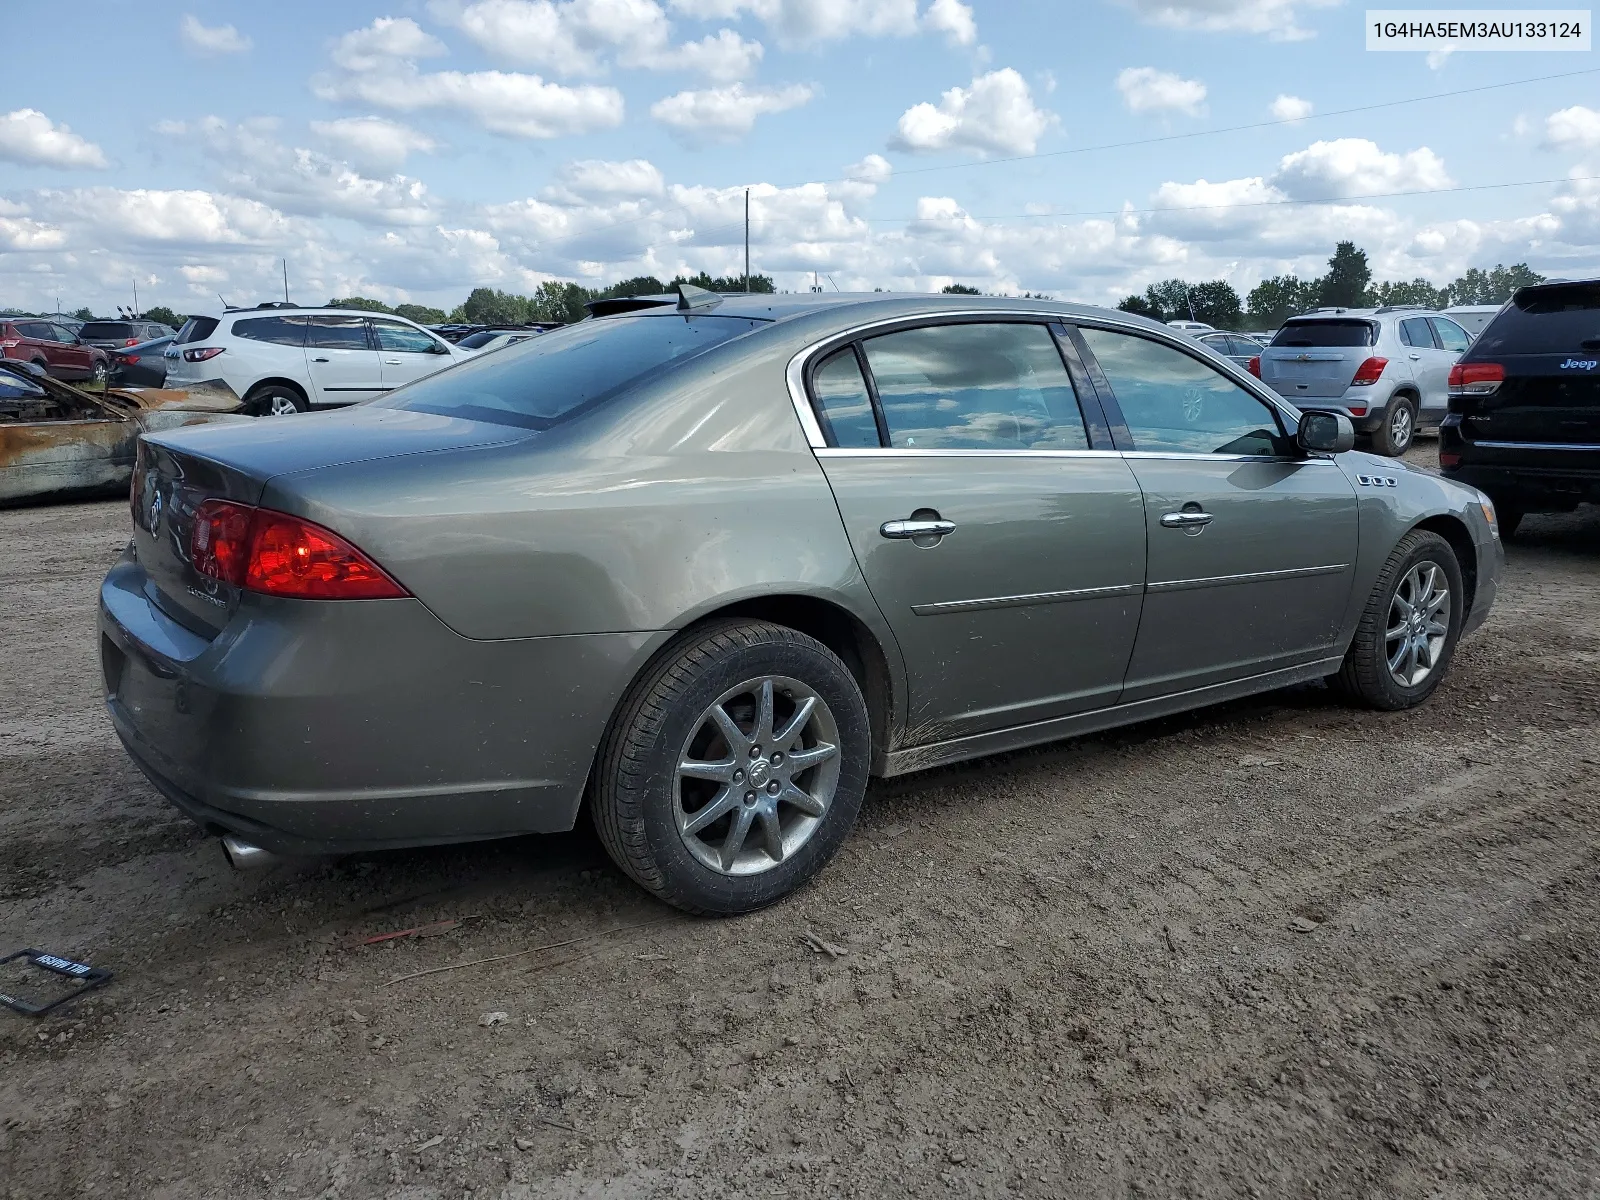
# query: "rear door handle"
[1185,520]
[319,360]
[392,362]
[1416,357]
[904,530]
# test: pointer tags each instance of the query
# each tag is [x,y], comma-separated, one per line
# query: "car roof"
[237,313]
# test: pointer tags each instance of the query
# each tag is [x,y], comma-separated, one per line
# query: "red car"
[53,347]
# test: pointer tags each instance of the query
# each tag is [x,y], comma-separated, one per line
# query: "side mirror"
[1325,433]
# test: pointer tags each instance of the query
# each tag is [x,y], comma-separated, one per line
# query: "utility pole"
[135,297]
[747,239]
[286,281]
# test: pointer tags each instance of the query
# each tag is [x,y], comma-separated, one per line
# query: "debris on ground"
[810,939]
[489,1020]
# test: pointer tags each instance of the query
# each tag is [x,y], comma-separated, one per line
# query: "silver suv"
[1387,369]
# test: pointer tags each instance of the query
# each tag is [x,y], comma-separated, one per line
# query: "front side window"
[550,378]
[844,407]
[1451,336]
[279,331]
[1174,403]
[394,336]
[976,387]
[337,333]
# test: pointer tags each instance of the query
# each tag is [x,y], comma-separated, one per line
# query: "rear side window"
[1451,336]
[1552,319]
[196,329]
[844,407]
[1325,333]
[1414,331]
[106,331]
[550,378]
[280,331]
[976,387]
[337,333]
[1178,404]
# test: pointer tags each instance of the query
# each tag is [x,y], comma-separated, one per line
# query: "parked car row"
[52,347]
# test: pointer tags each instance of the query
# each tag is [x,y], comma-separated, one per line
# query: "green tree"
[1345,284]
[1495,286]
[420,313]
[1170,298]
[959,289]
[165,315]
[1418,291]
[639,285]
[362,303]
[84,314]
[726,283]
[1217,303]
[1140,306]
[1273,301]
[490,306]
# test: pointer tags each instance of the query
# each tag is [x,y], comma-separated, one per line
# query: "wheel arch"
[1454,530]
[278,381]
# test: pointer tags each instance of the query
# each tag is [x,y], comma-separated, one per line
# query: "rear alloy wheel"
[734,769]
[1393,438]
[100,373]
[1409,627]
[274,400]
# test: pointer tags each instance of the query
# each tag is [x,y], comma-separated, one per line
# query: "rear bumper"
[327,728]
[1532,476]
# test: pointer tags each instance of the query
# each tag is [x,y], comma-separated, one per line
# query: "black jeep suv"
[1524,420]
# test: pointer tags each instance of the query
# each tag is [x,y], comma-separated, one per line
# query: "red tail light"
[1476,379]
[1254,366]
[1369,372]
[7,343]
[131,342]
[202,354]
[281,555]
[126,359]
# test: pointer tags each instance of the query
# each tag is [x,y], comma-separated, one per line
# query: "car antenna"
[691,297]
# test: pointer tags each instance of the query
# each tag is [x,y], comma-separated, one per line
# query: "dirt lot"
[1079,971]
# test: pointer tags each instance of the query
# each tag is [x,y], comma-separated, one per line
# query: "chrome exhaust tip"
[243,856]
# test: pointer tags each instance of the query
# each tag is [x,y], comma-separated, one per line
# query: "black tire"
[1389,441]
[1365,677]
[100,374]
[273,399]
[634,798]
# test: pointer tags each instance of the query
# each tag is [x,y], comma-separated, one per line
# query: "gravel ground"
[1279,948]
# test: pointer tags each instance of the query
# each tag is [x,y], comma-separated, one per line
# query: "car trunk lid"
[1316,359]
[177,472]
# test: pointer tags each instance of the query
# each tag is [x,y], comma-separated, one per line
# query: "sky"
[413,150]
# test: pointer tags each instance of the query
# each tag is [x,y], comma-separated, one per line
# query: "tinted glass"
[337,333]
[1325,333]
[1172,402]
[37,330]
[548,378]
[843,406]
[976,387]
[1451,336]
[105,331]
[1547,320]
[394,336]
[1414,331]
[475,340]
[196,329]
[280,331]
[1246,347]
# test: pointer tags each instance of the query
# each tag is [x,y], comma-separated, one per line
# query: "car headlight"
[1488,513]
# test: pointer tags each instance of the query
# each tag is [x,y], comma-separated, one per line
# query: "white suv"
[282,360]
[1387,369]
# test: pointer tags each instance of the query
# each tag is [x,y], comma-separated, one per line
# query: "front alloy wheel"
[100,374]
[1409,627]
[1419,623]
[734,767]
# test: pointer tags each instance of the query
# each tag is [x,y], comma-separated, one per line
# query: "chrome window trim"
[962,606]
[1174,455]
[1184,585]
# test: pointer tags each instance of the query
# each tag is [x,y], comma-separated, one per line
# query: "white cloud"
[581,37]
[996,115]
[19,231]
[190,217]
[1351,167]
[210,40]
[1147,90]
[726,113]
[1575,128]
[873,169]
[28,136]
[374,142]
[387,40]
[591,179]
[1290,108]
[809,22]
[953,19]
[1277,19]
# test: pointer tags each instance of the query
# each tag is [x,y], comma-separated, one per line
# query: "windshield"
[1325,333]
[538,382]
[1552,319]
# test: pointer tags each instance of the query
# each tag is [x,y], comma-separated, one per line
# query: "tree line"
[1348,284]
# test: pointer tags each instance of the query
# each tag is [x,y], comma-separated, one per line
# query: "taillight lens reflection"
[1369,372]
[219,543]
[1476,379]
[280,555]
[203,353]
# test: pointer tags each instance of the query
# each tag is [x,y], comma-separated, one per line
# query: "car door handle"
[904,530]
[393,362]
[1185,520]
[319,360]
[1416,357]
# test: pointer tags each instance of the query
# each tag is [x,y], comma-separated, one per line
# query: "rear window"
[1325,333]
[1557,319]
[280,331]
[105,331]
[196,329]
[543,380]
[473,340]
